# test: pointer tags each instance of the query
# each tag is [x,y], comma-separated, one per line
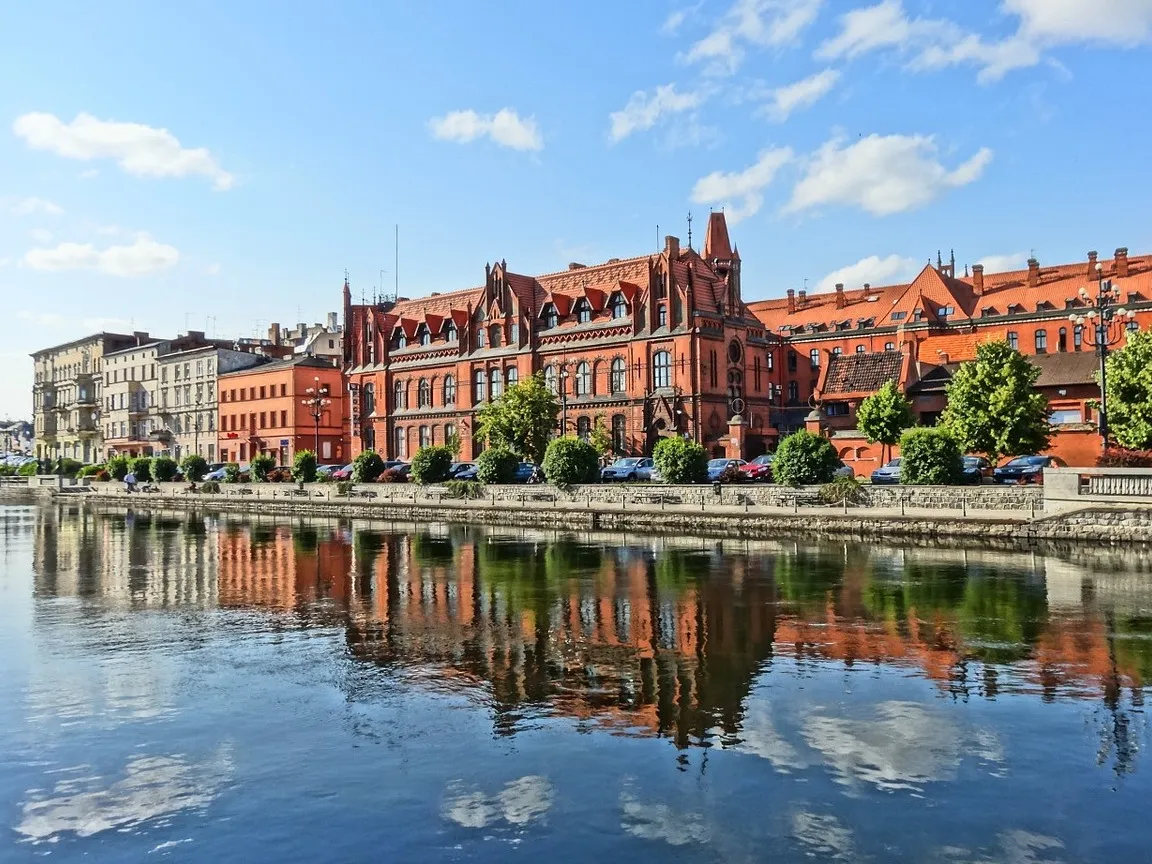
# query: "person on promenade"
[129,482]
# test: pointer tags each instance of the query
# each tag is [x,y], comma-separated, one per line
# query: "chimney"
[331,322]
[274,333]
[576,265]
[791,301]
[867,285]
[943,357]
[1122,262]
[1092,264]
[839,295]
[1033,272]
[672,246]
[803,297]
[141,336]
[978,279]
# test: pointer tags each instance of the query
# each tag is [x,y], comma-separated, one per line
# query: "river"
[214,688]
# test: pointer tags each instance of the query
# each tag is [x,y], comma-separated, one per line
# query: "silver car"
[629,468]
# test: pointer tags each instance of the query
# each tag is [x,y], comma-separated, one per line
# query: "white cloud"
[140,150]
[1114,22]
[1002,263]
[36,207]
[801,94]
[41,235]
[108,325]
[885,25]
[212,270]
[881,174]
[144,257]
[874,270]
[752,23]
[643,111]
[746,187]
[505,127]
[677,17]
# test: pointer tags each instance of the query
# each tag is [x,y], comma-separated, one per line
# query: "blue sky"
[220,164]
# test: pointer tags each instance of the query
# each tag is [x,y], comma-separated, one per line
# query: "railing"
[1112,484]
[1126,485]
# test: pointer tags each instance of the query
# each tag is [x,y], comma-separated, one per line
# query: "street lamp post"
[1106,327]
[315,403]
[563,401]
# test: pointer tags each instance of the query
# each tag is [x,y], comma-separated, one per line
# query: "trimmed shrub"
[194,467]
[210,487]
[28,469]
[464,489]
[163,469]
[680,461]
[804,458]
[89,470]
[930,456]
[141,466]
[7,470]
[343,487]
[367,467]
[431,465]
[260,467]
[117,466]
[497,465]
[68,467]
[1119,457]
[571,460]
[843,489]
[392,475]
[304,467]
[232,473]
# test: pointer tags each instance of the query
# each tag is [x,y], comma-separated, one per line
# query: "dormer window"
[450,333]
[945,311]
[987,312]
[549,317]
[917,315]
[495,336]
[899,316]
[583,312]
[424,335]
[617,306]
[399,340]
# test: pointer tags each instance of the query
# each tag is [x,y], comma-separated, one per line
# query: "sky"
[219,165]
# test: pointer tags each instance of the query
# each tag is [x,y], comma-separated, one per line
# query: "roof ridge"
[615,263]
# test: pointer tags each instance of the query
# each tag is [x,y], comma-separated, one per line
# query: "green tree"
[884,416]
[993,407]
[162,469]
[367,466]
[431,465]
[1129,392]
[117,467]
[261,466]
[571,460]
[930,456]
[600,438]
[142,467]
[194,467]
[522,419]
[452,442]
[304,466]
[497,465]
[232,472]
[804,458]
[680,461]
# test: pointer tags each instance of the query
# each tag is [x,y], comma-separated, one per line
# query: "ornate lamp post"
[1105,327]
[316,402]
[563,401]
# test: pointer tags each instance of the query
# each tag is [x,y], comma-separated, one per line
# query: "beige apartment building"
[314,340]
[67,396]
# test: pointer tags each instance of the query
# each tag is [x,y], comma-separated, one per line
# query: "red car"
[759,470]
[344,473]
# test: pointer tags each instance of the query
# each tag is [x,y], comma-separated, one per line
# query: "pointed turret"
[716,242]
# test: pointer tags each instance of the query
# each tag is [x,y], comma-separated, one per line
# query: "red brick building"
[656,345]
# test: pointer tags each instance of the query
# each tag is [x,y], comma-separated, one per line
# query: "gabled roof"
[861,373]
[1066,369]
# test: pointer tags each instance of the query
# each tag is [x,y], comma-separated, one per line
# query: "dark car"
[759,470]
[527,472]
[401,468]
[462,471]
[888,474]
[717,467]
[975,469]
[630,468]
[1023,469]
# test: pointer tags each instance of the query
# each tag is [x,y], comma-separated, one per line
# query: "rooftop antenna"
[657,235]
[396,265]
[689,229]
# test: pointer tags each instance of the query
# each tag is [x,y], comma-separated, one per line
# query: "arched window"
[398,396]
[481,337]
[1062,340]
[1041,341]
[399,340]
[494,334]
[583,428]
[449,390]
[617,306]
[793,392]
[1077,336]
[619,435]
[449,433]
[478,386]
[424,394]
[511,376]
[859,349]
[368,400]
[497,384]
[837,350]
[1013,340]
[400,439]
[616,379]
[661,369]
[425,438]
[814,358]
[424,335]
[662,315]
[549,317]
[583,379]
[550,378]
[450,332]
[583,311]
[889,346]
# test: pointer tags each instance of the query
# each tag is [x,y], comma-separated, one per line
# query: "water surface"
[194,687]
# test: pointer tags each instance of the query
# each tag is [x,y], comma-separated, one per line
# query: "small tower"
[722,257]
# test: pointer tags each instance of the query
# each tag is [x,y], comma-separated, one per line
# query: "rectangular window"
[283,418]
[283,389]
[1065,416]
[263,420]
[262,393]
[836,409]
[899,316]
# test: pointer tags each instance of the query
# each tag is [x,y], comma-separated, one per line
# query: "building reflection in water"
[643,636]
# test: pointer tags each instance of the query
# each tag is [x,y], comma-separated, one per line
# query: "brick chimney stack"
[672,246]
[978,279]
[1092,264]
[274,333]
[839,295]
[791,301]
[1122,262]
[1033,272]
[803,298]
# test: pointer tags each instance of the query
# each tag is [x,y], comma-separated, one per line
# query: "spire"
[689,229]
[716,242]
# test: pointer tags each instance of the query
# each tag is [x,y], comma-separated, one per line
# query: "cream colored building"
[67,396]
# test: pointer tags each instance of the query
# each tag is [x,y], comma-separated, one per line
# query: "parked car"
[525,471]
[759,470]
[1023,469]
[217,473]
[716,467]
[887,474]
[462,471]
[630,468]
[344,473]
[844,471]
[327,470]
[975,469]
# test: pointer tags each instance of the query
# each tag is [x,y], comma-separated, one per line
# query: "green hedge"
[680,461]
[304,467]
[194,467]
[142,467]
[431,465]
[260,467]
[804,459]
[117,467]
[930,456]
[497,465]
[571,460]
[367,467]
[163,469]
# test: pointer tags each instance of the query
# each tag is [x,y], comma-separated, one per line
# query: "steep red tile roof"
[716,242]
[861,373]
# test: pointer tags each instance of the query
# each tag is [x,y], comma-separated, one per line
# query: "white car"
[629,468]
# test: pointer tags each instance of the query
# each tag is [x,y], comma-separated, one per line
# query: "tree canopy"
[522,419]
[993,407]
[1129,391]
[884,415]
